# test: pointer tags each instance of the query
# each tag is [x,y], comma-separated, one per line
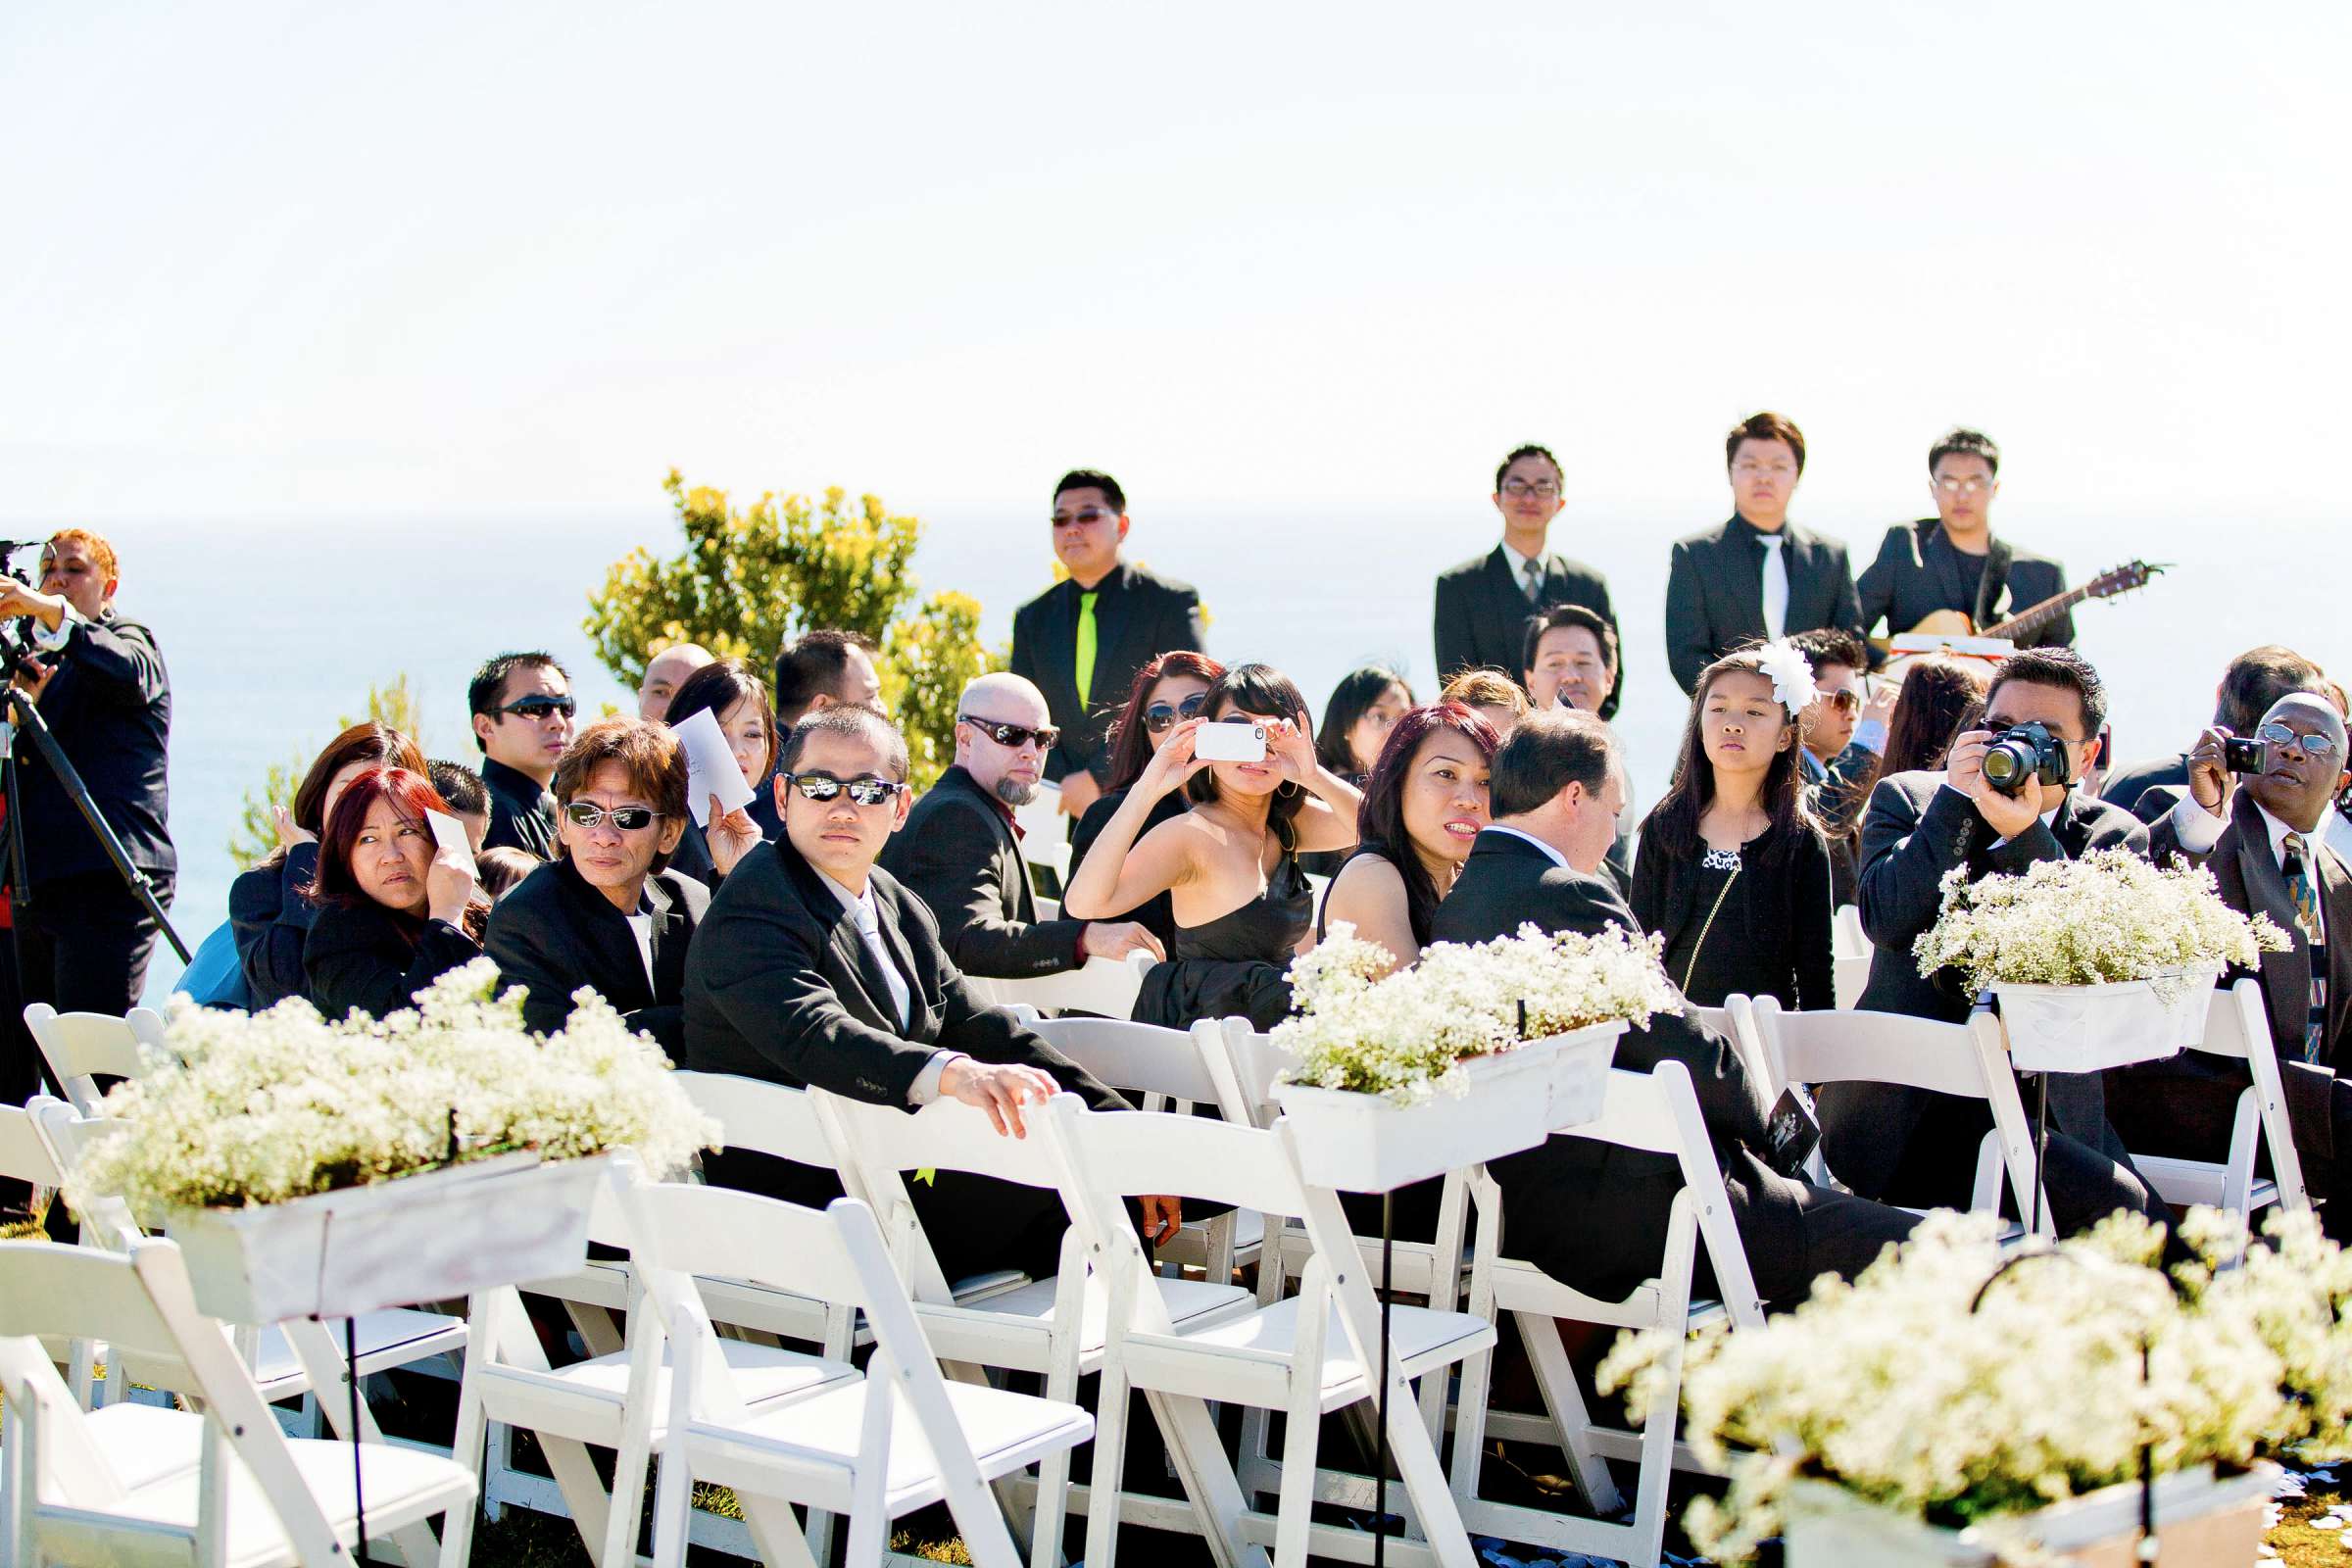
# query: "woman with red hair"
[395,911]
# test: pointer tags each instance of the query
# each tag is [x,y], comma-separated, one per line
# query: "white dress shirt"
[1520,567]
[641,926]
[1557,859]
[869,920]
[2199,830]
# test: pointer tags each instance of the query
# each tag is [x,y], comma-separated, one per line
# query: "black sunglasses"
[627,818]
[1013,735]
[824,787]
[539,706]
[1159,715]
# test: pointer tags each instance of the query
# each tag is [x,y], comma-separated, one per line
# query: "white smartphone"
[1230,741]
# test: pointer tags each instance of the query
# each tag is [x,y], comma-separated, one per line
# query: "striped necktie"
[1534,584]
[2302,887]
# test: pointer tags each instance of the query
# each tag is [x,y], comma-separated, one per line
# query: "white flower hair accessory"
[1791,674]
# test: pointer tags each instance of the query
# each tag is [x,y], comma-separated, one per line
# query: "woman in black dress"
[1230,865]
[1731,872]
[395,910]
[1167,691]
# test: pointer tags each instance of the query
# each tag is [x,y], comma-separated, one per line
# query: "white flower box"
[1361,1142]
[2200,1519]
[2091,1028]
[433,1237]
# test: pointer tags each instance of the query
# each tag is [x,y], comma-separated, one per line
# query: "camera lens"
[2008,764]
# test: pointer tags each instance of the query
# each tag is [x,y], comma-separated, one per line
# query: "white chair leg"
[1300,1443]
[465,1445]
[1196,1452]
[673,1508]
[1108,1482]
[1564,1402]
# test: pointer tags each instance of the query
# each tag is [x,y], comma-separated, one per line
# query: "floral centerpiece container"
[1959,1403]
[1474,1052]
[2096,962]
[315,1169]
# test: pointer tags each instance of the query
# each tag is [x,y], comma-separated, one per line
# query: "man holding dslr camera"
[2006,803]
[2253,816]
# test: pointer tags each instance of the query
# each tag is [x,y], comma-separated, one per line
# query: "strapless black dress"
[1237,966]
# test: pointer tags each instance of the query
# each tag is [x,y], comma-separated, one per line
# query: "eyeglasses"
[539,706]
[1749,468]
[1085,515]
[2316,747]
[1973,486]
[1520,489]
[1015,736]
[1848,700]
[825,787]
[1159,716]
[627,818]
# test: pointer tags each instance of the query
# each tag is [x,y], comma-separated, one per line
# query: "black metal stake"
[2042,1143]
[350,1381]
[1380,1461]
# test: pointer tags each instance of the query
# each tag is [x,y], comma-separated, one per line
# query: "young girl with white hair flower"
[1733,872]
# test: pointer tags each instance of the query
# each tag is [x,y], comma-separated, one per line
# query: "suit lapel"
[1992,588]
[670,936]
[612,945]
[1010,870]
[920,1027]
[855,978]
[1739,568]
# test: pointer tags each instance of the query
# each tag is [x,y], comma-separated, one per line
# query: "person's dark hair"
[500,869]
[460,786]
[2063,669]
[488,688]
[1131,744]
[2259,677]
[1355,693]
[718,686]
[1936,694]
[373,743]
[1554,620]
[1093,479]
[1267,692]
[1765,426]
[854,719]
[1530,450]
[1962,442]
[1545,753]
[1672,826]
[1832,645]
[1380,821]
[647,752]
[810,667]
[412,795]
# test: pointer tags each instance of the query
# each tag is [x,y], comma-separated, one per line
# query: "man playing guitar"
[1947,574]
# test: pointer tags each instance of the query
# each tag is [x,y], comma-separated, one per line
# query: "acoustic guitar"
[2107,585]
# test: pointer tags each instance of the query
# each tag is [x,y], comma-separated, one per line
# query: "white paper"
[711,767]
[449,834]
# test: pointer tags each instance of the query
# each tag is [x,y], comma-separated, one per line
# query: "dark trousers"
[2086,1181]
[2186,1106]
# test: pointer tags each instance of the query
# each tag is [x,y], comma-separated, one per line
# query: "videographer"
[2006,802]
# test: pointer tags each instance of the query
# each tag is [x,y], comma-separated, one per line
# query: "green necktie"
[1086,645]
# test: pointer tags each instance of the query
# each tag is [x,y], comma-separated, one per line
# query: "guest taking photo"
[1167,691]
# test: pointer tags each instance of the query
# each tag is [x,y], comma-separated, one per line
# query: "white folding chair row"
[2238,1025]
[25,1156]
[1849,955]
[134,1484]
[1108,986]
[82,1047]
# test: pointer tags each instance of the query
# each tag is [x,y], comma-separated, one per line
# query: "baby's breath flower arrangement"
[2108,917]
[1403,1036]
[1906,1389]
[284,1104]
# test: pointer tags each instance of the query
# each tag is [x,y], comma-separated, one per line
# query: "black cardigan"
[1787,935]
[368,958]
[271,921]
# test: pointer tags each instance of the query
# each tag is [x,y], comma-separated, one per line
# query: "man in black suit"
[522,709]
[1594,1215]
[2254,680]
[1759,575]
[1484,604]
[961,852]
[1082,640]
[1916,1146]
[607,912]
[2262,842]
[814,967]
[1952,560]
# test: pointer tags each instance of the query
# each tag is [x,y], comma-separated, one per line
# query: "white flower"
[1791,674]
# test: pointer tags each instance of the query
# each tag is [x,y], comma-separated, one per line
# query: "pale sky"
[279,259]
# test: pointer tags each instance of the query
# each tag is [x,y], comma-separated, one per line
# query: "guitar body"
[1937,624]
[1956,622]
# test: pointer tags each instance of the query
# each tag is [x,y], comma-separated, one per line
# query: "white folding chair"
[135,1485]
[1849,955]
[1656,1111]
[82,1047]
[25,1156]
[2238,1025]
[1969,1059]
[1104,986]
[1306,1356]
[1735,1021]
[898,1439]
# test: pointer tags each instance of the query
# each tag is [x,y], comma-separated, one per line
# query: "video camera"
[2026,752]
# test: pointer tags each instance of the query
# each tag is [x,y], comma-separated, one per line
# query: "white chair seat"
[1190,1303]
[763,1374]
[396,1332]
[1418,1338]
[816,1439]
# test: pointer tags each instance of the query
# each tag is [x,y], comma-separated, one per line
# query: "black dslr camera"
[2024,751]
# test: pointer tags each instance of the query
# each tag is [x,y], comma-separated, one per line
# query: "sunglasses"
[1015,736]
[825,787]
[1848,700]
[2317,747]
[540,706]
[1159,715]
[627,818]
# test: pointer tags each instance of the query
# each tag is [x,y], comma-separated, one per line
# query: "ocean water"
[272,629]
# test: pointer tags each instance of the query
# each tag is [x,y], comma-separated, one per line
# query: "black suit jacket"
[368,958]
[958,854]
[1715,591]
[1138,616]
[1914,831]
[2147,790]
[1918,572]
[554,933]
[109,704]
[1483,611]
[523,815]
[2252,883]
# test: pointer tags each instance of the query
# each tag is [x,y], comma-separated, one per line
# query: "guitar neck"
[2034,616]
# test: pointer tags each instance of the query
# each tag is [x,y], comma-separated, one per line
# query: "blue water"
[273,629]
